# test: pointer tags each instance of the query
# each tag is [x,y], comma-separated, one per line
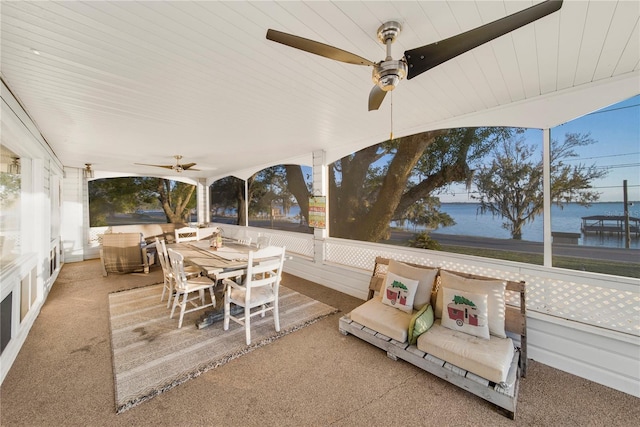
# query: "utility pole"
[627,231]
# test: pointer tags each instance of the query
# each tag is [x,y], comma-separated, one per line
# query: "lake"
[568,219]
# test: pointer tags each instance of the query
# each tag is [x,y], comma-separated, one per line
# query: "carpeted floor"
[151,355]
[63,376]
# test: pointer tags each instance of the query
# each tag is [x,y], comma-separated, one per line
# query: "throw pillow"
[420,323]
[495,297]
[465,312]
[426,277]
[399,292]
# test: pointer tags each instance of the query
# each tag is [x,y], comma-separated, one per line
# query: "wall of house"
[28,271]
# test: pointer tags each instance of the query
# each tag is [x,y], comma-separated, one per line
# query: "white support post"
[74,229]
[203,210]
[320,187]
[546,184]
[39,239]
[246,202]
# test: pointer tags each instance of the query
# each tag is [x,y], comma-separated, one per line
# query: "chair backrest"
[208,232]
[161,249]
[263,242]
[186,234]
[244,240]
[176,261]
[242,237]
[265,268]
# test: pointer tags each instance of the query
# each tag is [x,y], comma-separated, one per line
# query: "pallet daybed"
[503,394]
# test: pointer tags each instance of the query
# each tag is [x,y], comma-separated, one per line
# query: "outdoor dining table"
[228,261]
[218,263]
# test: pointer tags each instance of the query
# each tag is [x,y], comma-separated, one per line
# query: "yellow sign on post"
[318,212]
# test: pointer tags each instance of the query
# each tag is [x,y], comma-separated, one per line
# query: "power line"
[616,186]
[610,155]
[613,109]
[624,165]
[468,193]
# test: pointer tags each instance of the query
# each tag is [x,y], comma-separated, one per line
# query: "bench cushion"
[465,312]
[426,277]
[382,318]
[398,292]
[495,297]
[489,359]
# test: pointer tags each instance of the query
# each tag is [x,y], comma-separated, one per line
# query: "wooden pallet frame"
[515,322]
[505,399]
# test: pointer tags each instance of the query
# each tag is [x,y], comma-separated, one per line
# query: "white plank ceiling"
[117,83]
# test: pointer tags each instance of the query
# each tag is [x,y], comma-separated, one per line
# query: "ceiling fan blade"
[157,166]
[426,57]
[316,48]
[376,96]
[188,166]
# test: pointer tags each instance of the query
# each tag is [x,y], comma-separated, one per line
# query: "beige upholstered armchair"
[123,253]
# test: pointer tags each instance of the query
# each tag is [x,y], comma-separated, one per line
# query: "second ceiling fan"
[178,167]
[389,72]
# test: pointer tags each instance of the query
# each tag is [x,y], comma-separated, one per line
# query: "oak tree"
[511,185]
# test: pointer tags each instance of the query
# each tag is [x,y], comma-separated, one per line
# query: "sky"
[616,130]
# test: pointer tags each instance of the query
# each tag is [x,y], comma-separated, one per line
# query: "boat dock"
[602,224]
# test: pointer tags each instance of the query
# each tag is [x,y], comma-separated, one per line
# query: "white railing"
[296,243]
[95,235]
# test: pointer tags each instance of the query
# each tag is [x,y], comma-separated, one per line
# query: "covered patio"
[116,85]
[314,376]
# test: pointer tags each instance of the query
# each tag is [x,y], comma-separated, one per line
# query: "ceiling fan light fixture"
[387,74]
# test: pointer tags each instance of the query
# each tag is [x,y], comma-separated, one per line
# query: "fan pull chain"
[391,134]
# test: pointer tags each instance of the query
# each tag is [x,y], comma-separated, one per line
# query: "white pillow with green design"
[399,292]
[465,312]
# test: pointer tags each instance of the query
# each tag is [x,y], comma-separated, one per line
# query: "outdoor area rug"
[151,355]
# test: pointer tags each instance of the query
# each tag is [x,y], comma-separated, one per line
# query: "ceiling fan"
[178,167]
[389,72]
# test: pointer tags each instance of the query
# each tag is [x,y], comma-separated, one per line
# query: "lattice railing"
[95,235]
[615,309]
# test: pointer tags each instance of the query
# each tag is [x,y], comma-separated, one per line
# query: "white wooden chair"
[185,288]
[190,271]
[186,234]
[245,241]
[242,237]
[206,233]
[260,289]
[263,242]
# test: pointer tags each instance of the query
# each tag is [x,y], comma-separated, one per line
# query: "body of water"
[568,219]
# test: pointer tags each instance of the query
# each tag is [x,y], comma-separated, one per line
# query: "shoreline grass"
[582,264]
